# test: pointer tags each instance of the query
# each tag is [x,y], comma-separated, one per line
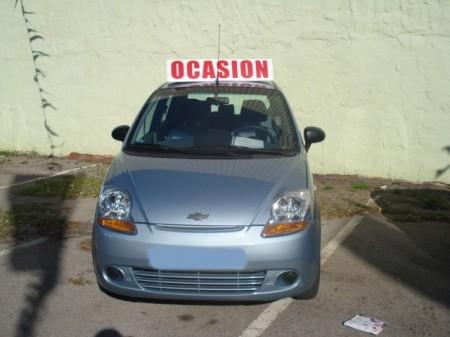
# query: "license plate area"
[196,258]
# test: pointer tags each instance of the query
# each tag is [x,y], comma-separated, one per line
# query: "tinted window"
[251,118]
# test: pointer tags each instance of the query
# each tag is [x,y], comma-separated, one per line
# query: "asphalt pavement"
[49,289]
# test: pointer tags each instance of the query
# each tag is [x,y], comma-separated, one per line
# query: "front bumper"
[219,266]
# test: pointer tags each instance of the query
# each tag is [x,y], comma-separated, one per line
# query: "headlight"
[115,207]
[288,214]
[115,204]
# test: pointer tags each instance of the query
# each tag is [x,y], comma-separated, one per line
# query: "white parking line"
[48,177]
[270,314]
[331,247]
[23,245]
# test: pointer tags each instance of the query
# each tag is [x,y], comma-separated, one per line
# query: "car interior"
[181,121]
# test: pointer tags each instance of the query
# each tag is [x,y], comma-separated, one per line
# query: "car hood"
[210,192]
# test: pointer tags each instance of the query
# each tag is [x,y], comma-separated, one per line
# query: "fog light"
[287,278]
[114,274]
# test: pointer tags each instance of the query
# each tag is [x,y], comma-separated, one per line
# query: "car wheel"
[311,292]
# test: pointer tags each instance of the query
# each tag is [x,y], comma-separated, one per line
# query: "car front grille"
[199,282]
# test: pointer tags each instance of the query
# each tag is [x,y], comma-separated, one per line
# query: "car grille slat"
[243,283]
[198,282]
[199,228]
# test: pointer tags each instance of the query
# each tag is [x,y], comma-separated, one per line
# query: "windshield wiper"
[211,150]
[196,150]
[156,147]
[251,150]
[233,150]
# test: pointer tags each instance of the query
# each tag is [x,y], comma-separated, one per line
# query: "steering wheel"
[256,131]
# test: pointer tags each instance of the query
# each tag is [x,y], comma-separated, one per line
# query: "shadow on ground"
[410,241]
[31,220]
[108,333]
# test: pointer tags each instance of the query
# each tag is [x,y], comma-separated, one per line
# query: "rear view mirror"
[218,100]
[120,132]
[313,134]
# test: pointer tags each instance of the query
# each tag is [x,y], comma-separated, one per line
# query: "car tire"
[311,292]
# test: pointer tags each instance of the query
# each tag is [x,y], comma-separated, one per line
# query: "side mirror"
[120,132]
[313,135]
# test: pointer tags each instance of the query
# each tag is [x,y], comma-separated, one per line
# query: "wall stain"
[33,36]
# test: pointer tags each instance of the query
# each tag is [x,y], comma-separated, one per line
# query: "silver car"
[210,198]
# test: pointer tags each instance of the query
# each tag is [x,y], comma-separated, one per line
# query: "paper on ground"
[366,324]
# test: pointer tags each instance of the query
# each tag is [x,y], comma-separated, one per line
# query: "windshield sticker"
[248,142]
[223,69]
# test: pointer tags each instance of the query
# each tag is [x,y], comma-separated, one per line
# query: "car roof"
[236,84]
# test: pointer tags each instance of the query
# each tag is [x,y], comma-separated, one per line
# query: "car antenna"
[218,58]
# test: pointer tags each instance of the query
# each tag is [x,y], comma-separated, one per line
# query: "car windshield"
[214,120]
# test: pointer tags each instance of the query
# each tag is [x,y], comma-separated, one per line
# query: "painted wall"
[375,75]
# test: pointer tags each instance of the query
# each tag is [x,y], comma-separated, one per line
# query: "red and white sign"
[223,69]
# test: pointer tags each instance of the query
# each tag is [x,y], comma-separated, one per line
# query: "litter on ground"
[366,324]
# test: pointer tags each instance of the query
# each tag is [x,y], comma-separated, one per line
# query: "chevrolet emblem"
[197,216]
